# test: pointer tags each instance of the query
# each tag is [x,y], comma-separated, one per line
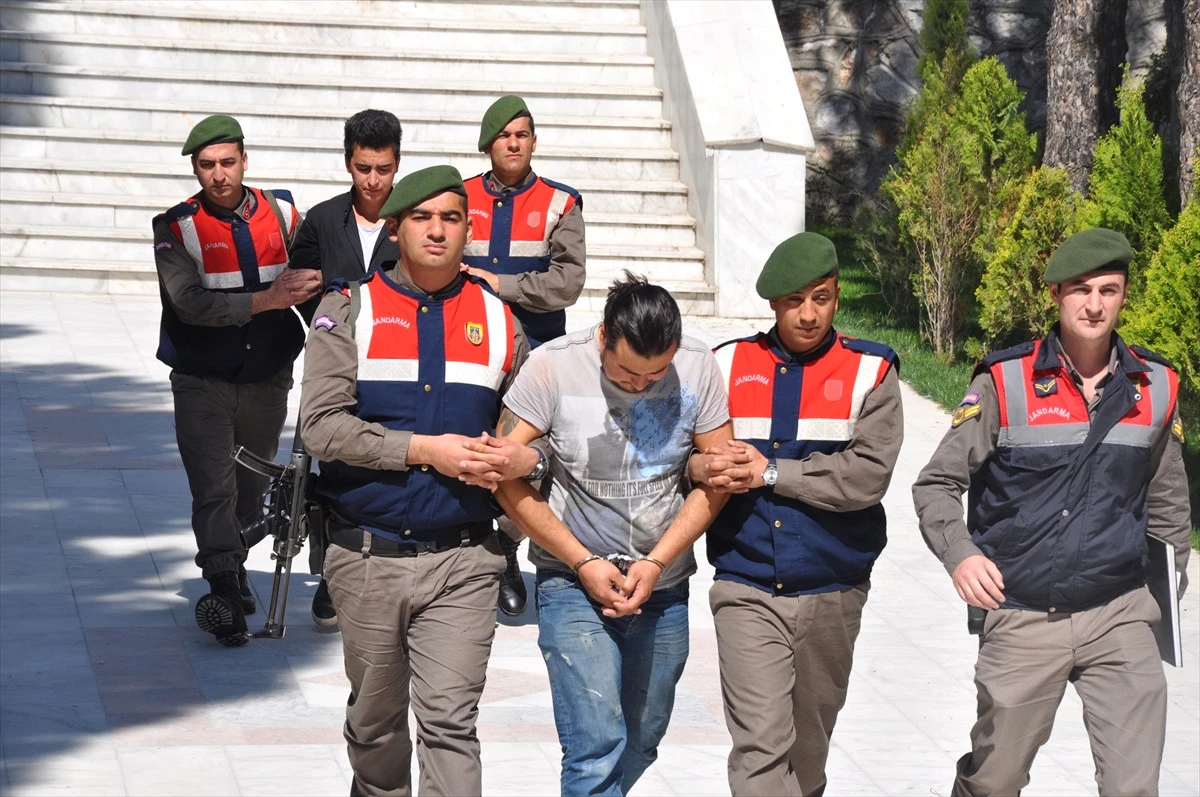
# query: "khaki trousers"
[212,417]
[785,668]
[1026,659]
[416,628]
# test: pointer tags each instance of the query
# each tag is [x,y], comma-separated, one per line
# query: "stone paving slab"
[107,686]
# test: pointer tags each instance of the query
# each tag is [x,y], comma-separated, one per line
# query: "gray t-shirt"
[618,458]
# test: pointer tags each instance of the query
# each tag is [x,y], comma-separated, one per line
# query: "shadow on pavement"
[98,647]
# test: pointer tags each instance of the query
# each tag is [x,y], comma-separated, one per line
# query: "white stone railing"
[741,132]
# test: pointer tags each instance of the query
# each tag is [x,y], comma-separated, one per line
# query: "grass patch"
[863,313]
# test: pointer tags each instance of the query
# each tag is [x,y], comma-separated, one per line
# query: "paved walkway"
[108,687]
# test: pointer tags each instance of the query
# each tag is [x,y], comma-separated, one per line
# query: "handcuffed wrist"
[589,558]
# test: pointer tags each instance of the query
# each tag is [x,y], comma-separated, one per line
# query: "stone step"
[28,208]
[308,187]
[176,116]
[132,146]
[307,91]
[343,12]
[133,244]
[255,56]
[75,275]
[391,28]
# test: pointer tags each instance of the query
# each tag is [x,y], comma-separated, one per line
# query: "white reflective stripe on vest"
[492,374]
[218,282]
[191,242]
[752,428]
[823,429]
[289,215]
[267,274]
[864,383]
[826,429]
[477,248]
[724,357]
[528,249]
[558,204]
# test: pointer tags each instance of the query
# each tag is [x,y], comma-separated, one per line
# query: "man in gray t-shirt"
[621,406]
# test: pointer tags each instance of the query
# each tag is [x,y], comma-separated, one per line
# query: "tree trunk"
[1084,49]
[1189,100]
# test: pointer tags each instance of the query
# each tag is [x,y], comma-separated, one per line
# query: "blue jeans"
[612,680]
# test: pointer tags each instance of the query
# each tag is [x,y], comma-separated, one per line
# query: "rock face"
[856,66]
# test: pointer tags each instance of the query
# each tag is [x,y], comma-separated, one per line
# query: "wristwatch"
[770,473]
[539,470]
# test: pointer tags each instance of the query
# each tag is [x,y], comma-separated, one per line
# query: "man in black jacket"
[345,238]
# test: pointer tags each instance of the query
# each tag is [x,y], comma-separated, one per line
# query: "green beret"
[795,263]
[1086,251]
[218,129]
[503,111]
[412,189]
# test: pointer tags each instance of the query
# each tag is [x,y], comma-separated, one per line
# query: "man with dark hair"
[529,247]
[819,425]
[230,336]
[1070,448]
[621,405]
[344,238]
[402,370]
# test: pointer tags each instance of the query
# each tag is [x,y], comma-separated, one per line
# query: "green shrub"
[1125,188]
[955,186]
[888,262]
[1166,317]
[1014,302]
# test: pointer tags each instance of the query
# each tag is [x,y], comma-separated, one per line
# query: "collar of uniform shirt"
[397,275]
[244,209]
[1077,379]
[825,345]
[495,185]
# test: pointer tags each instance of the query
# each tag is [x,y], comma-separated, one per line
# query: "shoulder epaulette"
[871,347]
[482,283]
[564,187]
[284,194]
[751,339]
[1011,353]
[1146,354]
[189,207]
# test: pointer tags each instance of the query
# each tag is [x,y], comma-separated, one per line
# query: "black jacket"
[328,240]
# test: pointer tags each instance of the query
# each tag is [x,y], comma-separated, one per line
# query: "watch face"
[770,475]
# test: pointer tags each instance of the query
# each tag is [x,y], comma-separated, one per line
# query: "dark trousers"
[212,417]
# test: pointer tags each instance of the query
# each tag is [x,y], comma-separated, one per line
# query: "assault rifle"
[288,514]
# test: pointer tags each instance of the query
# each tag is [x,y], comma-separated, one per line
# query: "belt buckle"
[621,562]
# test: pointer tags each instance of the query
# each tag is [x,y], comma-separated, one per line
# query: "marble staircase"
[96,96]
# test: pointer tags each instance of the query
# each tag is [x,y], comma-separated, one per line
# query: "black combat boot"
[249,604]
[323,612]
[220,612]
[513,594]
